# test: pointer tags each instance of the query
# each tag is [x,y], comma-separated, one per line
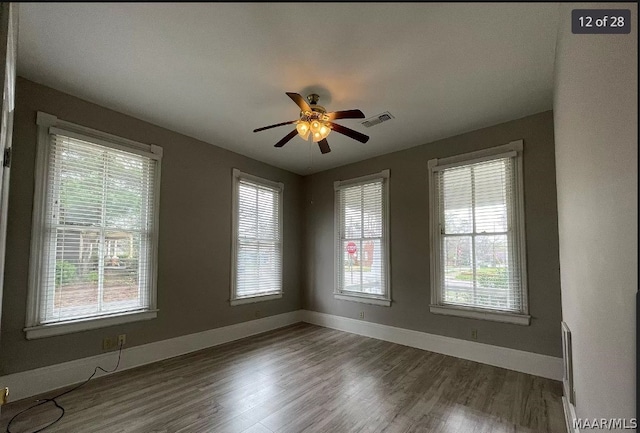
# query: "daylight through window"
[478,235]
[96,225]
[258,244]
[362,238]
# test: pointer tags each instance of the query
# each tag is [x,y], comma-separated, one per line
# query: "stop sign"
[351,248]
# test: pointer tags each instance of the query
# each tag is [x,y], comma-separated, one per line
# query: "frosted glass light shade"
[319,131]
[315,126]
[303,129]
[324,131]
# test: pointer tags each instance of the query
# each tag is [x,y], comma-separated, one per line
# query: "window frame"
[237,175]
[33,328]
[366,298]
[514,150]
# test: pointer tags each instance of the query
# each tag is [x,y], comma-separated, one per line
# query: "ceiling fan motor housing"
[317,111]
[313,98]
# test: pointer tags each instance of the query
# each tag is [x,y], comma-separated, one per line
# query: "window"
[94,230]
[477,235]
[362,239]
[257,243]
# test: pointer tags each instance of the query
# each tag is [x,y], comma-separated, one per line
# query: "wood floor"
[305,378]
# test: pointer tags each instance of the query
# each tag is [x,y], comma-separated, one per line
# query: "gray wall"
[195,233]
[194,239]
[409,237]
[596,121]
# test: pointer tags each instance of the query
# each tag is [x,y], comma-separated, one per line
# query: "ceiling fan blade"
[346,114]
[304,106]
[349,132]
[324,146]
[273,126]
[286,138]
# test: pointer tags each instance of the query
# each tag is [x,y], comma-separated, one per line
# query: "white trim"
[569,415]
[363,299]
[97,138]
[90,134]
[440,166]
[254,299]
[45,119]
[37,381]
[236,176]
[68,327]
[497,316]
[514,150]
[155,234]
[520,222]
[37,218]
[47,125]
[385,299]
[33,382]
[10,18]
[479,155]
[338,184]
[526,362]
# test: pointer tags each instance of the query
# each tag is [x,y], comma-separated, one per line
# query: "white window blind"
[362,238]
[479,236]
[97,255]
[258,243]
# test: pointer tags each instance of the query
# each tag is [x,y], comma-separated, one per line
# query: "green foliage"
[65,272]
[355,268]
[93,276]
[464,276]
[493,277]
[487,277]
[80,198]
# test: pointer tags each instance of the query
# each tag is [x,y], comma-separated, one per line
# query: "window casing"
[257,239]
[478,261]
[95,226]
[362,239]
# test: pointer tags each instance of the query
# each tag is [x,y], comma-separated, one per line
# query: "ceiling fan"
[314,121]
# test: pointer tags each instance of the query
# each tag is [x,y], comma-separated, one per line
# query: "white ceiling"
[217,71]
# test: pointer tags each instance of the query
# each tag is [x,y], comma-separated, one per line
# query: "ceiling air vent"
[372,121]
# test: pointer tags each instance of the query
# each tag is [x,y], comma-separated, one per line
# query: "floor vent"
[567,363]
[372,121]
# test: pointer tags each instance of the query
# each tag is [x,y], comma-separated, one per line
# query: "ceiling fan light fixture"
[324,131]
[303,129]
[315,126]
[315,121]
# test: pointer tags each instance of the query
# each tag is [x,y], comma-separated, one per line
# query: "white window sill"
[51,329]
[363,299]
[251,300]
[496,316]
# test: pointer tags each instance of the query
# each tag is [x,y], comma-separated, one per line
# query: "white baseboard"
[33,382]
[518,360]
[569,415]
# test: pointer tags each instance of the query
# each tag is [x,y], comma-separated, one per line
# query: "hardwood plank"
[306,378]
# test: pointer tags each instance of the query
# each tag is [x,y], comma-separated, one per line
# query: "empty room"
[318,217]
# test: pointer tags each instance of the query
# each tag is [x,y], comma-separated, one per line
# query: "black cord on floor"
[53,399]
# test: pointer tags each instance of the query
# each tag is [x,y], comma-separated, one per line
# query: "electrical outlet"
[122,339]
[258,313]
[474,334]
[108,343]
[362,315]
